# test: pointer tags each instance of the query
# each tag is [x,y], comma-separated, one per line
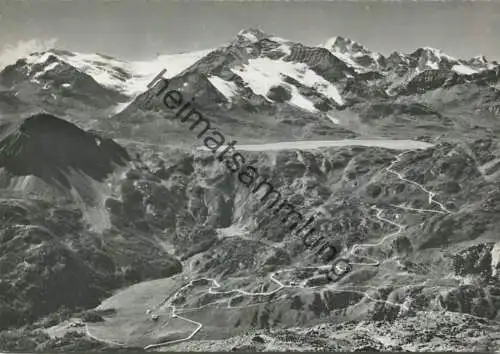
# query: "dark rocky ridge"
[48,147]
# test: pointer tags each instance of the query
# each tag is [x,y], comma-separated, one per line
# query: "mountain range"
[112,212]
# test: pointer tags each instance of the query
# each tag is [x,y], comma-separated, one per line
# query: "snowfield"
[128,77]
[262,74]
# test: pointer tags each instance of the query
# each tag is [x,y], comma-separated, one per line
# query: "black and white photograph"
[249,176]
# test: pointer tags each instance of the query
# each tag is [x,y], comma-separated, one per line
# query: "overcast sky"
[137,29]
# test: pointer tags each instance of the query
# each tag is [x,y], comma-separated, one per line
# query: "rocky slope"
[424,332]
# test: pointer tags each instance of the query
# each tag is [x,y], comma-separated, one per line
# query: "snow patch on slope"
[262,74]
[38,58]
[232,231]
[333,119]
[300,101]
[432,65]
[463,69]
[121,106]
[347,59]
[439,54]
[104,70]
[46,69]
[251,37]
[227,88]
[145,71]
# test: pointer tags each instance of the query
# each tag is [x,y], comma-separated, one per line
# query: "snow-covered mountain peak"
[480,59]
[252,35]
[427,58]
[343,45]
[397,58]
[354,54]
[267,70]
[481,62]
[433,52]
[127,77]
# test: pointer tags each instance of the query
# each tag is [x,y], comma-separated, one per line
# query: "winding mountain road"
[177,313]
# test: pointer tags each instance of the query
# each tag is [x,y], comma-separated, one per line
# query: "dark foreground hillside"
[51,261]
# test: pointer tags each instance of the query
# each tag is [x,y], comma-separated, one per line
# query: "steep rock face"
[428,80]
[50,276]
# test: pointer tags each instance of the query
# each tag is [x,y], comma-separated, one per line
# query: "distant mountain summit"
[252,35]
